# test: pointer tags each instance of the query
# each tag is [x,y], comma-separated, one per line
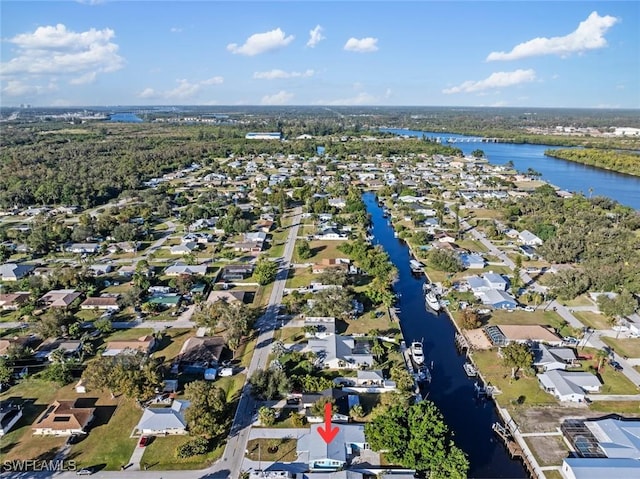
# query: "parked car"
[225,372]
[144,440]
[85,471]
[616,365]
[529,309]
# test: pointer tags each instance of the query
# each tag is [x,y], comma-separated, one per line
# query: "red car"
[144,440]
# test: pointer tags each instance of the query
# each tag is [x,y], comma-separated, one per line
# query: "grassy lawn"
[272,450]
[161,455]
[9,316]
[615,382]
[472,245]
[593,320]
[108,441]
[582,300]
[526,388]
[549,318]
[618,407]
[300,278]
[365,323]
[244,353]
[629,347]
[262,296]
[288,335]
[172,342]
[481,213]
[126,334]
[320,250]
[553,474]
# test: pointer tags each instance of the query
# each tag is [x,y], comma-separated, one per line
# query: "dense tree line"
[596,234]
[620,161]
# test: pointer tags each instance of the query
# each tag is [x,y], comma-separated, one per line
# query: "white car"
[529,309]
[225,372]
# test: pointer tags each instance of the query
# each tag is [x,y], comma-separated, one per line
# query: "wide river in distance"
[567,175]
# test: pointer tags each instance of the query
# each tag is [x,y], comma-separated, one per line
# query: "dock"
[515,450]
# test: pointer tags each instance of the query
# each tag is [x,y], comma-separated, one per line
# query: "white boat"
[470,369]
[416,266]
[432,300]
[417,353]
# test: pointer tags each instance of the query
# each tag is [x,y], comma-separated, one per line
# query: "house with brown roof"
[198,354]
[63,418]
[103,303]
[228,296]
[59,298]
[20,341]
[325,264]
[14,301]
[143,344]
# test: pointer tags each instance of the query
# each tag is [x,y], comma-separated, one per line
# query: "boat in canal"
[416,267]
[431,297]
[417,353]
[470,370]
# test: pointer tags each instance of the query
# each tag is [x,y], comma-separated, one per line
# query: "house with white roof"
[526,237]
[163,421]
[569,386]
[548,358]
[337,352]
[14,272]
[180,269]
[348,444]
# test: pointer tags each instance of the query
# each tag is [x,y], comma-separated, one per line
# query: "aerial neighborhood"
[229,291]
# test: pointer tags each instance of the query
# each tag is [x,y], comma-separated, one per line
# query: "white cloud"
[495,80]
[362,45]
[148,93]
[175,30]
[315,36]
[588,36]
[217,80]
[184,91]
[280,98]
[277,74]
[88,77]
[261,43]
[58,51]
[16,88]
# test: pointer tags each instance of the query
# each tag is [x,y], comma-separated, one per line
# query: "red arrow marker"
[327,433]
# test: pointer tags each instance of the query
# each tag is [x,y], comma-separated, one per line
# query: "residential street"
[592,340]
[231,463]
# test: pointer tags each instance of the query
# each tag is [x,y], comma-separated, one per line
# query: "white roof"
[159,419]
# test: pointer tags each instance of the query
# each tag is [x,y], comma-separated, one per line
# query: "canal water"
[567,175]
[451,390]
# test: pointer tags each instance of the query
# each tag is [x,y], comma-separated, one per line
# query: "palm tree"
[601,355]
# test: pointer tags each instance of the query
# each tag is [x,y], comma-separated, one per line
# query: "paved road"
[245,413]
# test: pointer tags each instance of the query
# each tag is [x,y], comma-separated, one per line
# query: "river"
[451,390]
[567,175]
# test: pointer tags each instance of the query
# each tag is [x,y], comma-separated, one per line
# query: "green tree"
[356,412]
[269,384]
[517,356]
[304,250]
[267,416]
[470,319]
[403,379]
[317,408]
[5,371]
[207,414]
[418,438]
[265,271]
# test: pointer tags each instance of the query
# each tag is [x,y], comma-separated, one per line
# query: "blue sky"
[546,54]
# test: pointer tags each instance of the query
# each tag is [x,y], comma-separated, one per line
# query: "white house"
[325,457]
[569,386]
[338,352]
[526,237]
[163,421]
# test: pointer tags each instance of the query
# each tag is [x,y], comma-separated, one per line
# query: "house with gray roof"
[181,269]
[605,448]
[163,421]
[549,358]
[14,272]
[348,444]
[569,386]
[338,352]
